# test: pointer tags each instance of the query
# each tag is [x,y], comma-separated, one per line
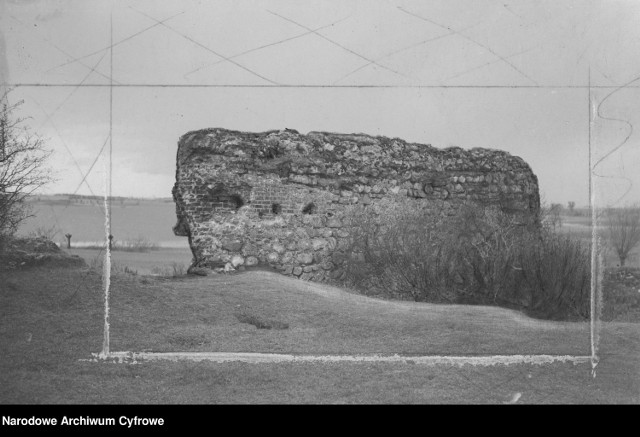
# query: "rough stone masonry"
[279,198]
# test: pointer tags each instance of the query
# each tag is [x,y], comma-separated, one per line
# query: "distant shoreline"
[67,196]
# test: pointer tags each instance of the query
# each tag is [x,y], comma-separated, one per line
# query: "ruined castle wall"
[279,198]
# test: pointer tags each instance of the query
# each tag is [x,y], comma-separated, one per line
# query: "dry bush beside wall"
[518,263]
[399,250]
[489,242]
[556,275]
[479,255]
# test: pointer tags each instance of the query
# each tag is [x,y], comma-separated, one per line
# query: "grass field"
[50,319]
[143,263]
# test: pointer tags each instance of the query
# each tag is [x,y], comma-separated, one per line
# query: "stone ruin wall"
[278,198]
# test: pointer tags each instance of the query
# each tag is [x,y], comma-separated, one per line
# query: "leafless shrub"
[556,276]
[23,168]
[402,249]
[551,215]
[48,232]
[478,255]
[489,242]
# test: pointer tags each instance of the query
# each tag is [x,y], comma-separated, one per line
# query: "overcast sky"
[511,75]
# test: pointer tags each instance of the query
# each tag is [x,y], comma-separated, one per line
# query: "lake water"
[151,220]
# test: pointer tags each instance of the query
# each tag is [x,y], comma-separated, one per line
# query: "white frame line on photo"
[429,360]
[257,358]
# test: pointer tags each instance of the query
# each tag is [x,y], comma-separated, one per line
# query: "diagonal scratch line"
[84,178]
[114,44]
[495,61]
[50,115]
[409,47]
[471,40]
[93,69]
[64,52]
[188,38]
[338,44]
[65,146]
[584,52]
[509,9]
[265,46]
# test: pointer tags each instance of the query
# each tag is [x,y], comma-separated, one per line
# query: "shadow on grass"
[261,323]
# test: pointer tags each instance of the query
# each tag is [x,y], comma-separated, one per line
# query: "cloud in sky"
[404,45]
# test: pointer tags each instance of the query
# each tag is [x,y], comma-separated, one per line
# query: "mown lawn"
[51,319]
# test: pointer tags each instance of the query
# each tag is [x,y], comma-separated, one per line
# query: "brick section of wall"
[279,197]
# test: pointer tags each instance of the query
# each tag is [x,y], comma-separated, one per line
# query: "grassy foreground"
[52,318]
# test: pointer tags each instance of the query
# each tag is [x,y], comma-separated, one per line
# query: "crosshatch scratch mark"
[84,178]
[267,45]
[486,64]
[188,38]
[49,118]
[340,45]
[115,44]
[55,128]
[409,47]
[84,79]
[428,360]
[471,40]
[64,52]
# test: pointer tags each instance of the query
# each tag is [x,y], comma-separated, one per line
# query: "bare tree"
[550,216]
[624,230]
[23,169]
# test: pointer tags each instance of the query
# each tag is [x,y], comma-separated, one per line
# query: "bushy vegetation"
[23,170]
[475,255]
[48,232]
[621,295]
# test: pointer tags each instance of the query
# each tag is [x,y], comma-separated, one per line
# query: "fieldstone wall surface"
[278,198]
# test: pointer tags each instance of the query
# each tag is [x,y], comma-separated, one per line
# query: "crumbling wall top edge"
[189,137]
